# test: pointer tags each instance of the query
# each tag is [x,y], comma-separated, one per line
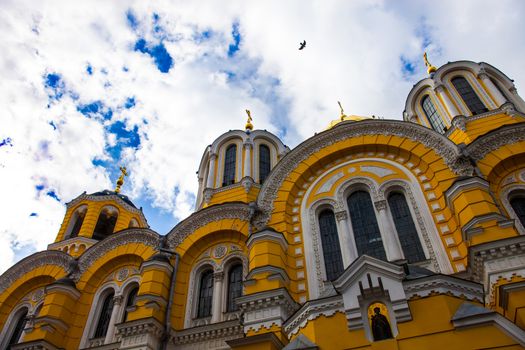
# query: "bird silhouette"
[303,44]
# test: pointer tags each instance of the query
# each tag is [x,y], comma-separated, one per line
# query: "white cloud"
[354,54]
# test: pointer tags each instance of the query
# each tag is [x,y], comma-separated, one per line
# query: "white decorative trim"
[505,135]
[211,336]
[264,309]
[140,334]
[379,171]
[445,285]
[311,310]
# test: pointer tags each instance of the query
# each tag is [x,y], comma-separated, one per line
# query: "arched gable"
[308,152]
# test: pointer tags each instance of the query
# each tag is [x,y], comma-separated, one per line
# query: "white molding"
[311,310]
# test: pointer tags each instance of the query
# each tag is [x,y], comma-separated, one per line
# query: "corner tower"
[92,217]
[236,164]
[456,95]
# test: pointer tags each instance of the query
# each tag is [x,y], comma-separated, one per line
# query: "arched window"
[333,260]
[20,320]
[234,286]
[264,162]
[364,223]
[469,96]
[406,230]
[130,301]
[105,223]
[518,204]
[432,115]
[229,165]
[104,316]
[205,294]
[78,219]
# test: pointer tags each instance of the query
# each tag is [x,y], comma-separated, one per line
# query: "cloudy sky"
[87,86]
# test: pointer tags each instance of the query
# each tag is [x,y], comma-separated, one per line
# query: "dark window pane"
[229,165]
[364,223]
[79,219]
[234,286]
[19,328]
[333,260]
[105,316]
[432,115]
[105,225]
[469,95]
[518,204]
[205,294]
[131,301]
[264,162]
[405,228]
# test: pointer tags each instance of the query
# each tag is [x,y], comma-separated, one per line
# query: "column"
[216,309]
[211,171]
[499,99]
[388,233]
[347,243]
[452,110]
[247,159]
[117,301]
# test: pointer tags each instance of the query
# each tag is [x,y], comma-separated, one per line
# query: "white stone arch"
[424,86]
[221,153]
[470,75]
[193,291]
[76,213]
[233,259]
[94,312]
[505,196]
[10,323]
[124,291]
[430,242]
[315,266]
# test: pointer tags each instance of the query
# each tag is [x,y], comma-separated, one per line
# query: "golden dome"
[343,118]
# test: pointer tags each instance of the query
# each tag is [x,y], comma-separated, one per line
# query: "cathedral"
[371,234]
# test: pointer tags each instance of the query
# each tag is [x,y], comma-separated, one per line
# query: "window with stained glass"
[229,165]
[364,223]
[234,287]
[432,115]
[104,316]
[333,260]
[205,294]
[469,96]
[264,162]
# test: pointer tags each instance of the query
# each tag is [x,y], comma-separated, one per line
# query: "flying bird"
[303,44]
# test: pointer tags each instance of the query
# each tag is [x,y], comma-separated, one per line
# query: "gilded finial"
[343,115]
[120,180]
[430,67]
[249,125]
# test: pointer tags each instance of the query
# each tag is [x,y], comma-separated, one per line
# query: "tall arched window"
[432,115]
[20,320]
[406,230]
[205,294]
[264,162]
[518,204]
[78,219]
[234,286]
[469,96]
[364,223]
[333,260]
[105,223]
[130,301]
[104,316]
[229,165]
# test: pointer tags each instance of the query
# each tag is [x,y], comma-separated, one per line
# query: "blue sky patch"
[130,103]
[233,48]
[39,187]
[129,138]
[407,67]
[52,125]
[54,85]
[6,142]
[132,20]
[160,55]
[53,195]
[33,214]
[89,69]
[95,110]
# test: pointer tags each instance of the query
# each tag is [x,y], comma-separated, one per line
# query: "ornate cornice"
[345,130]
[103,198]
[443,284]
[99,250]
[312,310]
[205,216]
[490,142]
[48,257]
[224,330]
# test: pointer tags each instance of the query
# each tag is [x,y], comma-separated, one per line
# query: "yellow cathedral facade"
[373,234]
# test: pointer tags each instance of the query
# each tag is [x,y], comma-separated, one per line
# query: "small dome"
[352,118]
[110,193]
